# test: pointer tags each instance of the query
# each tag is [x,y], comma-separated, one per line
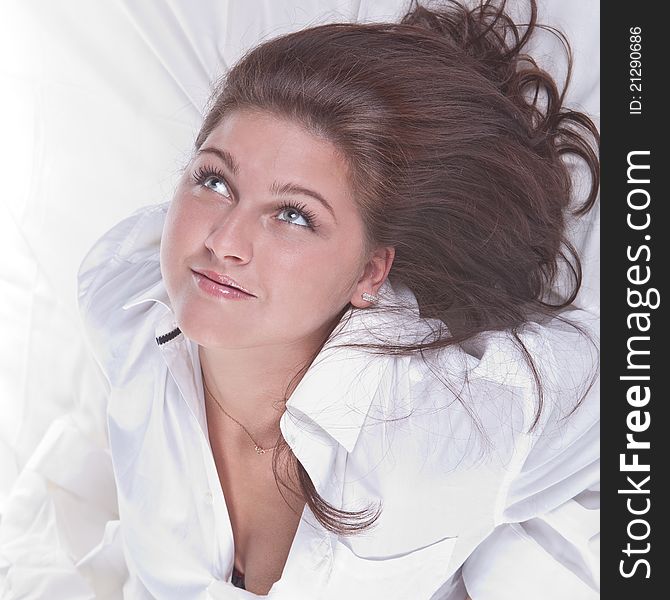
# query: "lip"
[218,290]
[233,288]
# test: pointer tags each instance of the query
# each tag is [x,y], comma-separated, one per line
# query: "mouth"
[225,282]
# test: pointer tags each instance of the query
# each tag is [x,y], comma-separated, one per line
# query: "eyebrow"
[226,158]
[276,188]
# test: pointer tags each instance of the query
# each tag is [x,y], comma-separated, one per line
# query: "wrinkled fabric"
[468,503]
[119,88]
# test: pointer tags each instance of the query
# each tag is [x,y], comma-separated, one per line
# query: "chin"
[207,334]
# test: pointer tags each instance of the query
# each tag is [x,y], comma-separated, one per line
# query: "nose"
[231,236]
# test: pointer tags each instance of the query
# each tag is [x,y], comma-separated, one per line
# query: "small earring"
[369,297]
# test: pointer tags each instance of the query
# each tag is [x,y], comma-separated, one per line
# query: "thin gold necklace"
[259,449]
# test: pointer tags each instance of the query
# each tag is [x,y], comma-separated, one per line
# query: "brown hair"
[447,127]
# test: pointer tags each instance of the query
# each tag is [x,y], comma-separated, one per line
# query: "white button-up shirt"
[470,498]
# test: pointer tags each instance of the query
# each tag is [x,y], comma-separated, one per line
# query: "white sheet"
[100,104]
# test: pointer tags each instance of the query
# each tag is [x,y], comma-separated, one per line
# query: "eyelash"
[203,173]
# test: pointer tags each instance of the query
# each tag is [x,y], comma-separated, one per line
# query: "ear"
[375,271]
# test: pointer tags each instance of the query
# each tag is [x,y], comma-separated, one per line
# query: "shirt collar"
[340,386]
[154,293]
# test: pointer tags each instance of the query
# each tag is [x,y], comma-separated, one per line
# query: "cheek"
[181,227]
[177,243]
[170,245]
[324,278]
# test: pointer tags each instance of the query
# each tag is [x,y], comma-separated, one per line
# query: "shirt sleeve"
[546,540]
[59,533]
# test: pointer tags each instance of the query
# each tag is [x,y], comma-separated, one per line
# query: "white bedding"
[100,104]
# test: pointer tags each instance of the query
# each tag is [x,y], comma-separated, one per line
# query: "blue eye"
[301,211]
[212,179]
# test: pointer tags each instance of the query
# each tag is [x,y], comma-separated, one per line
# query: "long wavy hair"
[446,125]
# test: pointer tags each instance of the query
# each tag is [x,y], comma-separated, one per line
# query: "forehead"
[262,140]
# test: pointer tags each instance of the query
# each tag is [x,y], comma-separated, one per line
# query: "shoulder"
[533,442]
[496,394]
[477,408]
[544,368]
[122,265]
[136,238]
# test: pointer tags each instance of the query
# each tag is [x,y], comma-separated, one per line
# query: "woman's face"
[247,207]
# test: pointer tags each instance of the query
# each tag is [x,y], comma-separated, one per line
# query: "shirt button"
[209,497]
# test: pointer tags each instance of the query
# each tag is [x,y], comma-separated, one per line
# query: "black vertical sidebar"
[634,246]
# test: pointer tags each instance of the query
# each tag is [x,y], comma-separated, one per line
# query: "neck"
[251,385]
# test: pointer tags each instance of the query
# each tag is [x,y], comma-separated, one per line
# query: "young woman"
[339,363]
